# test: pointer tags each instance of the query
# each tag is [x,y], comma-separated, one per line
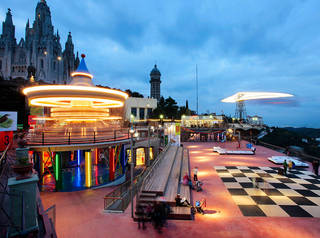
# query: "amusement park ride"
[240,98]
[78,101]
[79,143]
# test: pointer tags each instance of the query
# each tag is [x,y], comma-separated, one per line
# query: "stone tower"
[155,83]
[40,48]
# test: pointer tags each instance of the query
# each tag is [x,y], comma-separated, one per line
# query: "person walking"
[157,220]
[315,165]
[141,217]
[285,166]
[195,174]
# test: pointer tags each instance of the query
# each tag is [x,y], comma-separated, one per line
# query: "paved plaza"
[80,214]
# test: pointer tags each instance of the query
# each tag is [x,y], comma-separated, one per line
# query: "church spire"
[69,40]
[8,29]
[8,20]
[69,45]
[58,36]
[42,21]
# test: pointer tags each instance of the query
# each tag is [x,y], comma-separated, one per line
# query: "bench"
[174,179]
[158,181]
[184,190]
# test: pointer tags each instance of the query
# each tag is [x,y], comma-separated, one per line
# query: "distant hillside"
[305,132]
[285,137]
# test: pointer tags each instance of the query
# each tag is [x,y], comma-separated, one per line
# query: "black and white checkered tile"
[294,195]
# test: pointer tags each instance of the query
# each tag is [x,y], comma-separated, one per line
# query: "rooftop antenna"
[197,89]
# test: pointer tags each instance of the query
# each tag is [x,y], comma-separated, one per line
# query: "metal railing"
[119,199]
[76,137]
[302,155]
[51,213]
[79,136]
[5,218]
[270,146]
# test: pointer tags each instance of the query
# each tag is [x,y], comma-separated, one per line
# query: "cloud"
[238,45]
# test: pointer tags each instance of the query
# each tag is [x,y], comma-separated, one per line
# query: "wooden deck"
[165,183]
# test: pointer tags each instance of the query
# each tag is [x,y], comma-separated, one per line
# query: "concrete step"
[149,195]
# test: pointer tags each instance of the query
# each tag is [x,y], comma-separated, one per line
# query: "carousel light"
[81,74]
[66,88]
[78,101]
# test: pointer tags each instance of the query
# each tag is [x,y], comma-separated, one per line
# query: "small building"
[255,120]
[138,109]
[211,121]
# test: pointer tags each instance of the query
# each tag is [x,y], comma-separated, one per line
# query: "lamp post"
[161,119]
[159,134]
[148,151]
[133,133]
[59,59]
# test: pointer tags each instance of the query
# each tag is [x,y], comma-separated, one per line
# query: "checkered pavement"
[294,195]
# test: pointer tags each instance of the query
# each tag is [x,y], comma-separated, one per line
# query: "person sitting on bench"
[198,186]
[181,202]
[187,181]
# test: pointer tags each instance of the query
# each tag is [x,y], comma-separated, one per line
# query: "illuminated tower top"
[82,76]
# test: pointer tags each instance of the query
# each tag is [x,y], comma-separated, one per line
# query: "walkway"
[79,214]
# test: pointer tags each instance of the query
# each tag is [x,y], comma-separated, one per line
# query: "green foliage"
[306,132]
[169,109]
[134,94]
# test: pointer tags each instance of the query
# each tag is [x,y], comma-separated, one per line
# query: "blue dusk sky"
[238,45]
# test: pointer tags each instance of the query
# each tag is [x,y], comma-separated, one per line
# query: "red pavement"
[80,214]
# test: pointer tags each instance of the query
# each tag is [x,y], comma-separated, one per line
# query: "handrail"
[155,164]
[121,192]
[5,152]
[301,154]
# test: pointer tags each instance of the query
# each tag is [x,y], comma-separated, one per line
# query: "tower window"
[0,64]
[41,63]
[54,65]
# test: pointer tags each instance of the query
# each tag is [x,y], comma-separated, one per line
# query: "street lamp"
[59,59]
[133,133]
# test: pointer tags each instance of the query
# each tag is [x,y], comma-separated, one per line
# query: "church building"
[40,50]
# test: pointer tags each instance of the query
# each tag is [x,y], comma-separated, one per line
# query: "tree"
[171,108]
[134,94]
